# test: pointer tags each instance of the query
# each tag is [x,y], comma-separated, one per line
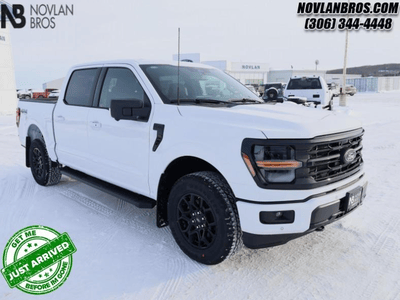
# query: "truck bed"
[52,101]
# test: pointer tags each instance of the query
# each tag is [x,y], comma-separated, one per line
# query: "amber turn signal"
[248,164]
[288,164]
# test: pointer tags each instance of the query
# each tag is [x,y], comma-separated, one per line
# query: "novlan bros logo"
[14,14]
[42,16]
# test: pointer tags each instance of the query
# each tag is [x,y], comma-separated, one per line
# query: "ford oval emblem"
[349,156]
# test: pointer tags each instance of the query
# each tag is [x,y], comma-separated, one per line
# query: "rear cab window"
[81,87]
[304,84]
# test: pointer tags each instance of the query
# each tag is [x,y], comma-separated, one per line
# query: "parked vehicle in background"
[252,89]
[42,94]
[54,94]
[335,88]
[351,90]
[19,92]
[273,90]
[261,89]
[313,88]
[229,168]
[26,94]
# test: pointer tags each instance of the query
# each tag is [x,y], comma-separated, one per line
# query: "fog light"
[277,217]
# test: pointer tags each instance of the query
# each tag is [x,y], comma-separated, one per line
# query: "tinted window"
[304,84]
[81,87]
[121,84]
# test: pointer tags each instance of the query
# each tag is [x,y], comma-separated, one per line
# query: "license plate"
[353,199]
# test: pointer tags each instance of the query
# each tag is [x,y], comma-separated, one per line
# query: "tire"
[40,97]
[272,94]
[351,94]
[27,97]
[42,168]
[203,217]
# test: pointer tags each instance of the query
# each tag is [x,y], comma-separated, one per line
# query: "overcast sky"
[249,31]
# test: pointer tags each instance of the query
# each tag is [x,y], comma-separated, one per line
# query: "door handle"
[60,119]
[95,124]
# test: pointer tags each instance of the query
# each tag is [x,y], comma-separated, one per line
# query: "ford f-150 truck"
[223,167]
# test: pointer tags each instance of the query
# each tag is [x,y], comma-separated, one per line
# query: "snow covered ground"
[123,255]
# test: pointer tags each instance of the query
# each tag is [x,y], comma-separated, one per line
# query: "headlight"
[276,164]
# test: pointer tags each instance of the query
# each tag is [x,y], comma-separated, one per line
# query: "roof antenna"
[179,60]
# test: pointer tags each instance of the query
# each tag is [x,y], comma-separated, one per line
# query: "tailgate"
[315,95]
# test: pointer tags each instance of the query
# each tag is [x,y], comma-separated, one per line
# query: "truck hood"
[286,120]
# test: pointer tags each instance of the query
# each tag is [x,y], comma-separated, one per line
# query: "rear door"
[119,150]
[70,118]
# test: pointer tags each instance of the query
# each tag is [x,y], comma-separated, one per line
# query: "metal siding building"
[284,75]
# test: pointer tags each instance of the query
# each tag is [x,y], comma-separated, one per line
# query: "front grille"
[326,158]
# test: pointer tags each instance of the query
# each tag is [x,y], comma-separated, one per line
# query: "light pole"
[316,64]
[343,100]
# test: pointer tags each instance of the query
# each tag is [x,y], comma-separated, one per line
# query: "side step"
[123,194]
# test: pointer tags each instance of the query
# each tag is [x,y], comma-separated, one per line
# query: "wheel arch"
[176,169]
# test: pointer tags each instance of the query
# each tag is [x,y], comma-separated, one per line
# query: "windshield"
[195,84]
[304,84]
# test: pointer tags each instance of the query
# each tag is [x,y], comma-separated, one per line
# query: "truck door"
[70,118]
[119,150]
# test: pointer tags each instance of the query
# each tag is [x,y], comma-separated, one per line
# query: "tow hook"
[322,228]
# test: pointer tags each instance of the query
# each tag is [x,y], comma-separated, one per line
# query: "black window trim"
[92,92]
[99,87]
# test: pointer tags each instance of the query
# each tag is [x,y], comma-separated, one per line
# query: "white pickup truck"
[223,167]
[315,89]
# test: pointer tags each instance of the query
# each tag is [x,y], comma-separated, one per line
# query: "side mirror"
[126,109]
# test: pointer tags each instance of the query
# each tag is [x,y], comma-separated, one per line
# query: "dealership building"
[245,72]
[8,95]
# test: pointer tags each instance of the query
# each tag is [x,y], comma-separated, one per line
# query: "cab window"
[121,84]
[81,87]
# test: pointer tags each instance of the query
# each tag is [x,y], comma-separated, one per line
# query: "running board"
[123,194]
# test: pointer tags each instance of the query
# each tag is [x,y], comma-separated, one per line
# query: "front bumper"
[310,213]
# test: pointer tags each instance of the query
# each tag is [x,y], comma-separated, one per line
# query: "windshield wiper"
[244,100]
[200,100]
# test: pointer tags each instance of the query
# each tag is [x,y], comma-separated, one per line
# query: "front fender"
[224,154]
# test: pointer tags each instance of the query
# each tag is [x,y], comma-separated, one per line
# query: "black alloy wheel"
[203,217]
[196,221]
[37,164]
[44,171]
